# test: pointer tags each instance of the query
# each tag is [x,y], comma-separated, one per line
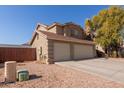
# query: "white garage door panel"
[61,51]
[83,51]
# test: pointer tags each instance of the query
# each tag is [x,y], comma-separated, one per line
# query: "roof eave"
[71,41]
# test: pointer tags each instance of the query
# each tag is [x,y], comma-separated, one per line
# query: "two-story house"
[60,42]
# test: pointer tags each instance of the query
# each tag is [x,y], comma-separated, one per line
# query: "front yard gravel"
[55,76]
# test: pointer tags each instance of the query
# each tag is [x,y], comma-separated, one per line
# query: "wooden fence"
[17,54]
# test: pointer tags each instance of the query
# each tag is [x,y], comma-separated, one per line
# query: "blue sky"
[17,23]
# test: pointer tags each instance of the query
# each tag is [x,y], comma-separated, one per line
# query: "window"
[72,32]
[76,33]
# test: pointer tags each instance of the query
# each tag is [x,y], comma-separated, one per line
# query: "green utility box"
[22,75]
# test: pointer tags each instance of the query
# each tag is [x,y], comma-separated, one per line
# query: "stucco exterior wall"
[42,28]
[53,29]
[41,41]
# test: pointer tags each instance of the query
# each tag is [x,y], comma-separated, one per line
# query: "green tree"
[89,29]
[108,24]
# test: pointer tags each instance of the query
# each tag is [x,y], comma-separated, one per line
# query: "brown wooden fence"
[17,54]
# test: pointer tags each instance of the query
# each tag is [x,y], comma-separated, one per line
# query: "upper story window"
[74,33]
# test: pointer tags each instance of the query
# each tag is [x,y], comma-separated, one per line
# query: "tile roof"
[53,36]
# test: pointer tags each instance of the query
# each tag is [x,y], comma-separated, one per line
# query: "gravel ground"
[54,76]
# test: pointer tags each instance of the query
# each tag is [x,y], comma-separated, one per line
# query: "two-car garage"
[73,51]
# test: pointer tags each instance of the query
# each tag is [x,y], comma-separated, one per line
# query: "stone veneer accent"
[50,52]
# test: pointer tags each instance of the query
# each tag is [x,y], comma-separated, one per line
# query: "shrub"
[113,54]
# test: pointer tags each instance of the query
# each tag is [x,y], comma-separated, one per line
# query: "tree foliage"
[108,24]
[89,29]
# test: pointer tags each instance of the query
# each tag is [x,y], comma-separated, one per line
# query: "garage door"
[83,51]
[61,51]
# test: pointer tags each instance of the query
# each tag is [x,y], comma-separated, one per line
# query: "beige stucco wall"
[53,29]
[42,28]
[57,30]
[41,42]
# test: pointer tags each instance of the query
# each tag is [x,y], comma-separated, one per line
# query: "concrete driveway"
[106,68]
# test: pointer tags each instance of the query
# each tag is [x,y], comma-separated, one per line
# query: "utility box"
[10,71]
[22,75]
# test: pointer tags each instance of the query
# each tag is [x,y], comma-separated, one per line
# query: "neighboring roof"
[15,46]
[53,36]
[26,44]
